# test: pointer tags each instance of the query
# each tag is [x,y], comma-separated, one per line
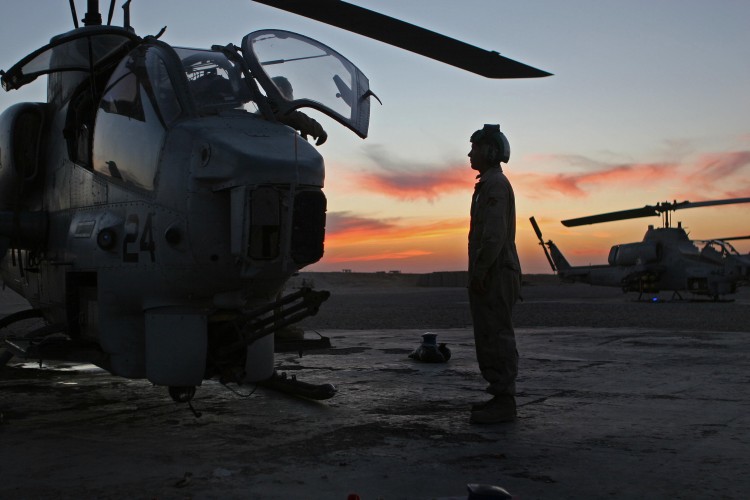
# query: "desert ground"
[363,301]
[618,398]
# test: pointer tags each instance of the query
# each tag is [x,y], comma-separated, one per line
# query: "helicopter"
[153,208]
[666,260]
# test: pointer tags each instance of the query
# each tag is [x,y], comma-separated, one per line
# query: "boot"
[498,409]
[480,406]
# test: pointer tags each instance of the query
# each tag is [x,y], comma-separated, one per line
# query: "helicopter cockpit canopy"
[294,71]
[80,50]
[297,71]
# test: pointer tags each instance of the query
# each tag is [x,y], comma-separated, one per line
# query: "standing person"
[494,275]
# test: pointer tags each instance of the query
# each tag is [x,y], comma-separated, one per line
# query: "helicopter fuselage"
[153,202]
[665,260]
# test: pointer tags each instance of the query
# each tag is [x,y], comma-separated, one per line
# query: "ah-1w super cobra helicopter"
[153,208]
[666,259]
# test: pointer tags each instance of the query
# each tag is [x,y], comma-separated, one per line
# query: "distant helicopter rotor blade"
[648,211]
[536,228]
[634,213]
[541,242]
[696,204]
[407,36]
[731,238]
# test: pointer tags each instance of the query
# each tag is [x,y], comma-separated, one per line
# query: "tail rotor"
[542,243]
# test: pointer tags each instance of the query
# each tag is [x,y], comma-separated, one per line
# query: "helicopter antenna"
[126,13]
[73,12]
[93,16]
[111,12]
[667,214]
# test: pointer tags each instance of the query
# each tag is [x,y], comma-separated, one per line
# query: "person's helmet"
[491,134]
[284,86]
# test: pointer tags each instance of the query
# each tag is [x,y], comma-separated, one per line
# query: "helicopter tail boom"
[556,259]
[561,262]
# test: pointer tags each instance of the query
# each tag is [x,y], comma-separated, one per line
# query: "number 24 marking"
[146,242]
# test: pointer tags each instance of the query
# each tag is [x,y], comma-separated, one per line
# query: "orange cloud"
[710,168]
[537,185]
[716,176]
[344,229]
[409,180]
[427,184]
[706,174]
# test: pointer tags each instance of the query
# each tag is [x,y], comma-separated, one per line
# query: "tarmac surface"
[617,399]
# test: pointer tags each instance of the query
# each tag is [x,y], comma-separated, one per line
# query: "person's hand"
[316,130]
[321,138]
[306,126]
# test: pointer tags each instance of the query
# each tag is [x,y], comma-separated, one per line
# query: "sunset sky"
[650,101]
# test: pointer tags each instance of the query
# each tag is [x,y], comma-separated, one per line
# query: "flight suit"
[493,258]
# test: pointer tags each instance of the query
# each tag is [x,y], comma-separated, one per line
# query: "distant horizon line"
[397,272]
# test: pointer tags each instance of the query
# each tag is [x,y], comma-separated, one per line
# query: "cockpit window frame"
[165,55]
[16,77]
[359,120]
[237,81]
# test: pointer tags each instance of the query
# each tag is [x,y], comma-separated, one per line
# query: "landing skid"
[677,297]
[655,298]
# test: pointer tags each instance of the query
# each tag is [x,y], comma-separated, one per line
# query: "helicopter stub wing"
[407,36]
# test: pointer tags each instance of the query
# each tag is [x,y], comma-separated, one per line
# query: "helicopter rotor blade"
[731,238]
[407,36]
[536,228]
[648,211]
[634,213]
[696,204]
[541,242]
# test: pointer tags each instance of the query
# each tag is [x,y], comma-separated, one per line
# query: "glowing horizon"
[418,244]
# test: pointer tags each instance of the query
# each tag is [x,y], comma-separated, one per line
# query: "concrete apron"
[602,413]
